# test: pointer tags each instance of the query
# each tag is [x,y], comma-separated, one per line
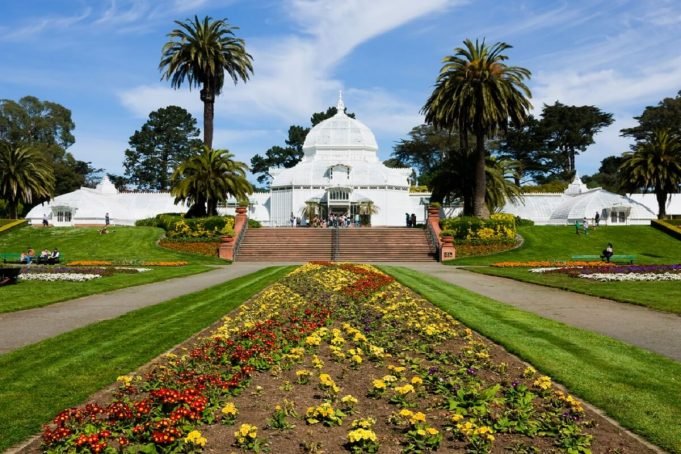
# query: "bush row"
[177,226]
[499,228]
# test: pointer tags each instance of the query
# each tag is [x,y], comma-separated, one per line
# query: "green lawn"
[552,243]
[561,243]
[40,380]
[122,244]
[659,295]
[637,388]
[31,294]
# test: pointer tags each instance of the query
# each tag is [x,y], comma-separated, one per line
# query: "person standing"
[597,218]
[413,220]
[408,219]
[106,219]
[45,223]
[585,226]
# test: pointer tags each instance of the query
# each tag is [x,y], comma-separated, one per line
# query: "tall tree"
[292,153]
[655,164]
[568,130]
[522,147]
[209,178]
[478,94]
[666,115]
[25,176]
[47,127]
[169,137]
[200,53]
[425,150]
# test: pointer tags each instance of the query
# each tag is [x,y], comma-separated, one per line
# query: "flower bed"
[333,358]
[72,274]
[551,264]
[207,248]
[619,273]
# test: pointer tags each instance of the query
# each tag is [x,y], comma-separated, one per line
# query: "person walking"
[413,220]
[585,226]
[408,219]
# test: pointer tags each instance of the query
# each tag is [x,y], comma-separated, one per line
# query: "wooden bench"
[615,258]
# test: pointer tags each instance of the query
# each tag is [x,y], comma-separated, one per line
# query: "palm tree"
[200,52]
[207,179]
[25,176]
[654,164]
[477,93]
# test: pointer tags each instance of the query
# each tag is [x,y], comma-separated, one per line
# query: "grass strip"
[40,380]
[659,295]
[639,389]
[548,242]
[32,294]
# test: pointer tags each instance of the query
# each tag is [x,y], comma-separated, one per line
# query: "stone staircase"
[384,244]
[285,244]
[377,244]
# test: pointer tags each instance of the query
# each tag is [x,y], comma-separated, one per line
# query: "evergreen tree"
[169,137]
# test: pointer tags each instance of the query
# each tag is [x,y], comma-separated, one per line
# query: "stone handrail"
[445,246]
[228,245]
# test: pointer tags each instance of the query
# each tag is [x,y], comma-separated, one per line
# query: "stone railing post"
[446,244]
[228,242]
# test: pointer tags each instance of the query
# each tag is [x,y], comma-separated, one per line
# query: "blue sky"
[99,58]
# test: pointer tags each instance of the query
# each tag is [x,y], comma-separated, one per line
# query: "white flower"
[52,277]
[544,270]
[630,277]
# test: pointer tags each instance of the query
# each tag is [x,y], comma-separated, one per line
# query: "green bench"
[12,257]
[615,258]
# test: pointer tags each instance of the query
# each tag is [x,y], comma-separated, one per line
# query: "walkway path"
[18,329]
[652,330]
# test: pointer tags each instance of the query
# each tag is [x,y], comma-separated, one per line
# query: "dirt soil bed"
[471,395]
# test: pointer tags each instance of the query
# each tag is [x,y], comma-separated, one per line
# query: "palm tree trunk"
[208,99]
[479,206]
[661,197]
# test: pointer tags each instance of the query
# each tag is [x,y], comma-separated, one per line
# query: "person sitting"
[607,253]
[54,258]
[23,258]
[44,256]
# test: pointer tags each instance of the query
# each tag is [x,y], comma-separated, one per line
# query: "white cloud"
[608,88]
[37,25]
[293,75]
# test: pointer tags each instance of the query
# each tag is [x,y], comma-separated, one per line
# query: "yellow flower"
[379,384]
[389,379]
[247,431]
[432,431]
[406,413]
[418,417]
[356,359]
[404,390]
[125,380]
[349,399]
[456,417]
[230,409]
[543,382]
[194,437]
[416,380]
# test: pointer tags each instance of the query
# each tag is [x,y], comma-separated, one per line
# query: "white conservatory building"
[341,173]
[579,202]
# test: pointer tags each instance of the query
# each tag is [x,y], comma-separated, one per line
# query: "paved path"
[18,329]
[652,330]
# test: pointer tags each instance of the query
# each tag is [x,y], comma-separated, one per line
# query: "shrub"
[520,222]
[253,224]
[499,228]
